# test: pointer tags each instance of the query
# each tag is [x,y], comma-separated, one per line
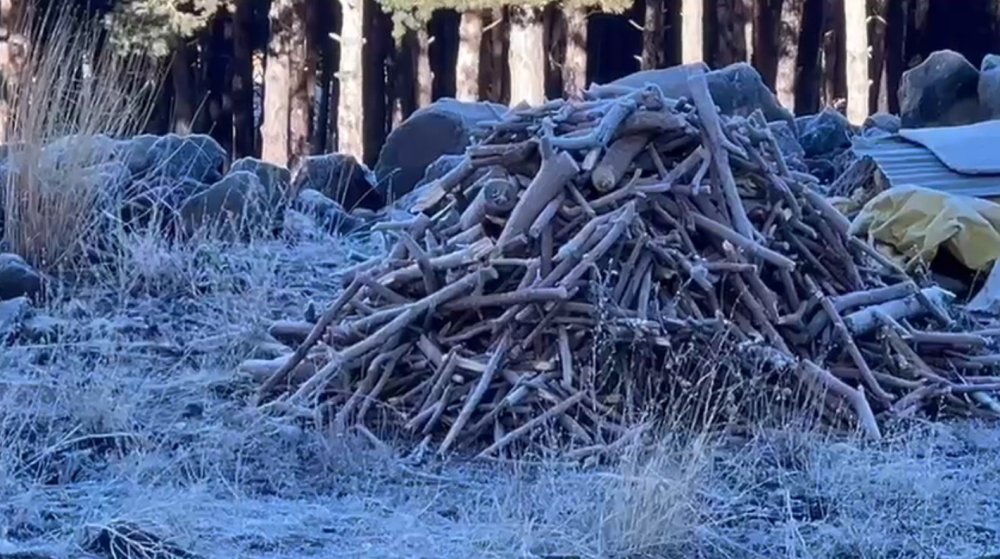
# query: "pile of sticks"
[642,220]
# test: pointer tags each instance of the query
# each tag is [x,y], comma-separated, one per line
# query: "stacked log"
[642,220]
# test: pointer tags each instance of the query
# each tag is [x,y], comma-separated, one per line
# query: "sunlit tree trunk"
[350,109]
[856,42]
[526,61]
[574,70]
[789,33]
[470,34]
[692,30]
[425,76]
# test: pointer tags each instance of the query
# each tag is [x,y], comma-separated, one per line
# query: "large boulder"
[198,157]
[17,278]
[275,178]
[77,150]
[234,208]
[135,152]
[940,91]
[441,128]
[826,134]
[158,200]
[328,214]
[339,177]
[737,89]
[988,90]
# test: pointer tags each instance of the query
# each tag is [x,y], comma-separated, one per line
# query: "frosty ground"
[124,404]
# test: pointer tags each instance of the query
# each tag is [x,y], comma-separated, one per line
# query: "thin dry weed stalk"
[82,93]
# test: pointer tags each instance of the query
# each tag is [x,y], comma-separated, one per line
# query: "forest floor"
[135,413]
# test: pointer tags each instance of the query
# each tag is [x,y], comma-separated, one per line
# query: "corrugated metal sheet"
[904,162]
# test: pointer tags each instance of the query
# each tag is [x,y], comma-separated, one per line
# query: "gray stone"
[17,278]
[787,139]
[338,177]
[826,134]
[988,90]
[76,151]
[275,178]
[135,152]
[737,89]
[441,128]
[940,91]
[198,157]
[328,214]
[882,121]
[233,208]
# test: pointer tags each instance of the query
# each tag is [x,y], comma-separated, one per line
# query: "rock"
[328,214]
[339,177]
[76,151]
[827,133]
[13,313]
[940,91]
[787,139]
[17,278]
[158,199]
[737,89]
[441,128]
[988,90]
[135,152]
[275,178]
[198,157]
[233,208]
[882,121]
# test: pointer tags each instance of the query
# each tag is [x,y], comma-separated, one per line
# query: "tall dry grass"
[77,91]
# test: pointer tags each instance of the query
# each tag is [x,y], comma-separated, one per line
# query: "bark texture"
[470,34]
[350,104]
[526,56]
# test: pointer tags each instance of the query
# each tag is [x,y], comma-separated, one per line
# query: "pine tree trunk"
[878,99]
[730,24]
[320,28]
[834,68]
[527,56]
[350,107]
[856,42]
[574,70]
[895,59]
[184,89]
[277,83]
[499,46]
[219,74]
[470,34]
[791,30]
[692,31]
[766,26]
[302,78]
[241,85]
[425,77]
[810,78]
[652,36]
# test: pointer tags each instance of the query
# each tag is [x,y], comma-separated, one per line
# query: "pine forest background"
[280,79]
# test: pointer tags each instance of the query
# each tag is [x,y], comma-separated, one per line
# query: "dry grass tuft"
[74,96]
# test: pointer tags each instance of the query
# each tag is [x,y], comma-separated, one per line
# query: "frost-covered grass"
[136,413]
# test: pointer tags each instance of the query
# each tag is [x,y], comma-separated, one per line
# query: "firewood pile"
[642,220]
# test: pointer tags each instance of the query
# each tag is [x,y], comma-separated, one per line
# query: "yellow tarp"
[918,221]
